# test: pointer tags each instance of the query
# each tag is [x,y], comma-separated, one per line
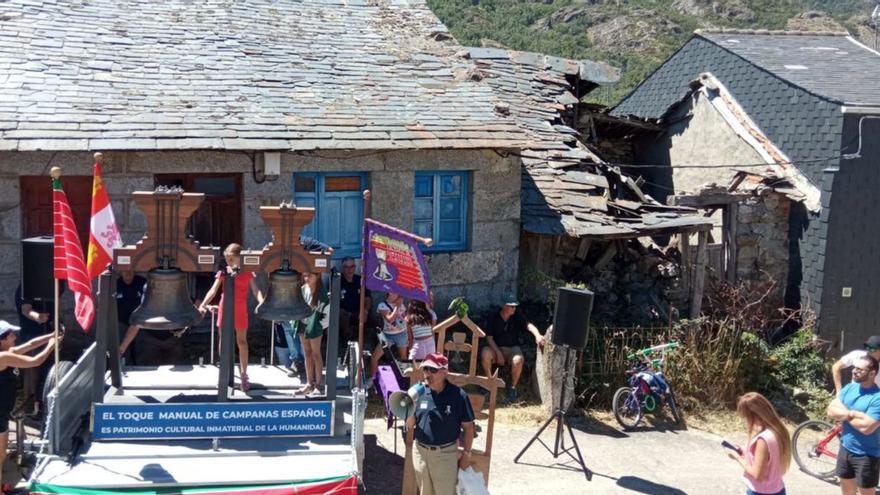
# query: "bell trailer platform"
[165,432]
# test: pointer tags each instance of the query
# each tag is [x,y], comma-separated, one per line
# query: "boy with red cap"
[442,413]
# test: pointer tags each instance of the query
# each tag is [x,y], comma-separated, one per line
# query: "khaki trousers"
[436,470]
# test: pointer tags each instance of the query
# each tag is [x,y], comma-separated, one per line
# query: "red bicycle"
[815,444]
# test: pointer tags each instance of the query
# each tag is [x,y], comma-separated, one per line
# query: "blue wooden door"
[339,208]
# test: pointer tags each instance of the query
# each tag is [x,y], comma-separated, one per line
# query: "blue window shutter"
[440,209]
[339,215]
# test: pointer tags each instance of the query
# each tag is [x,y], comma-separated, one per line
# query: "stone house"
[583,219]
[775,131]
[253,103]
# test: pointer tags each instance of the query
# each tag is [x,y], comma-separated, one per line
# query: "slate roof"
[565,185]
[243,74]
[832,66]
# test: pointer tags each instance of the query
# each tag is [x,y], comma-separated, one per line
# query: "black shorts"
[4,421]
[864,468]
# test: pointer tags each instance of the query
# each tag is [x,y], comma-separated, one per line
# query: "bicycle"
[815,445]
[647,389]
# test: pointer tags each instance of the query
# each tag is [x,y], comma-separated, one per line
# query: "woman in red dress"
[232,253]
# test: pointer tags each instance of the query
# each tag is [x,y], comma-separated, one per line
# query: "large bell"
[166,305]
[284,299]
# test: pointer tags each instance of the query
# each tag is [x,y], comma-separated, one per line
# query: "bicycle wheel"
[815,448]
[673,406]
[627,408]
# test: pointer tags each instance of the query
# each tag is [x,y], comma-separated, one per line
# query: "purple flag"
[394,262]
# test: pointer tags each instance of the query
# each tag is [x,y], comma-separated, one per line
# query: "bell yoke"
[166,253]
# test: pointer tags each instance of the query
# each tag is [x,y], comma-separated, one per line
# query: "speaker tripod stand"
[558,415]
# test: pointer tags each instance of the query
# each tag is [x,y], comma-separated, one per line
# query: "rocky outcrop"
[731,10]
[813,20]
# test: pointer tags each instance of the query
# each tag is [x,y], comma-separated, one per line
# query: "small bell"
[166,304]
[284,300]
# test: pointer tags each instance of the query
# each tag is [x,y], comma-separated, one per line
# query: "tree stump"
[549,372]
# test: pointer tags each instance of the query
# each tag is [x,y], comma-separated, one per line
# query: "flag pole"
[362,313]
[55,173]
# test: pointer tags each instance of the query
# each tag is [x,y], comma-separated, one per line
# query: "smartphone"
[728,445]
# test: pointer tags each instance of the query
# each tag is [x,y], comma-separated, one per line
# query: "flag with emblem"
[69,262]
[103,233]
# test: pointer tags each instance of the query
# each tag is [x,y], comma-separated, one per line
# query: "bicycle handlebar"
[649,351]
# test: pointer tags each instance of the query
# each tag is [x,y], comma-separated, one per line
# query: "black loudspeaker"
[571,321]
[37,262]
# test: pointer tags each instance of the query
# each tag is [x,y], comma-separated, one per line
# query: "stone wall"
[483,273]
[762,239]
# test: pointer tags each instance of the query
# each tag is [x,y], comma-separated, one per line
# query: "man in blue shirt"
[442,413]
[858,407]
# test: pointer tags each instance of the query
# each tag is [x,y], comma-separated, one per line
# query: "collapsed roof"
[567,188]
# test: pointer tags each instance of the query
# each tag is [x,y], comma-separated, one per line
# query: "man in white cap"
[442,413]
[871,348]
[12,358]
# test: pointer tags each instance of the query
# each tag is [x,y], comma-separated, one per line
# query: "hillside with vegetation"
[635,35]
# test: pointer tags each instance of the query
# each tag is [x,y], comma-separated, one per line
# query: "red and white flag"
[103,233]
[69,262]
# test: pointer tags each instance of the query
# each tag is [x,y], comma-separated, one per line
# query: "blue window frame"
[339,208]
[440,209]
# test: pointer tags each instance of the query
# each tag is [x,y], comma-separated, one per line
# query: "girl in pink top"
[768,453]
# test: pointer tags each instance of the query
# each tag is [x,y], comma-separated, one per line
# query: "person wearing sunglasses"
[871,348]
[857,406]
[443,412]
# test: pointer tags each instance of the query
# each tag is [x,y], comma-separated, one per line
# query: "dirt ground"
[658,459]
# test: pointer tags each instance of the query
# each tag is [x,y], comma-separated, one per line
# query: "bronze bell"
[284,300]
[166,304]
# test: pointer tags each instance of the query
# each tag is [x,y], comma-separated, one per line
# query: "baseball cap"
[510,300]
[873,341]
[436,360]
[6,328]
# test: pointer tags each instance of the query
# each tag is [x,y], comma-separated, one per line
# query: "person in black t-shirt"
[129,294]
[443,414]
[35,317]
[349,302]
[503,331]
[12,359]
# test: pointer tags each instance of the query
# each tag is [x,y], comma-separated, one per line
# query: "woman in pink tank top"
[768,454]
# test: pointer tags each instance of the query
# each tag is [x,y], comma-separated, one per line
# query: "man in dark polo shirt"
[441,414]
[503,330]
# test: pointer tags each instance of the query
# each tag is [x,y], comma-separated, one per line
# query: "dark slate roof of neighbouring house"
[565,189]
[248,74]
[832,66]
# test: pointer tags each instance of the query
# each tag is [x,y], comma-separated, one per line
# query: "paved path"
[649,461]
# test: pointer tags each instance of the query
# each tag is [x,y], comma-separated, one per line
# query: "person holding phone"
[768,453]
